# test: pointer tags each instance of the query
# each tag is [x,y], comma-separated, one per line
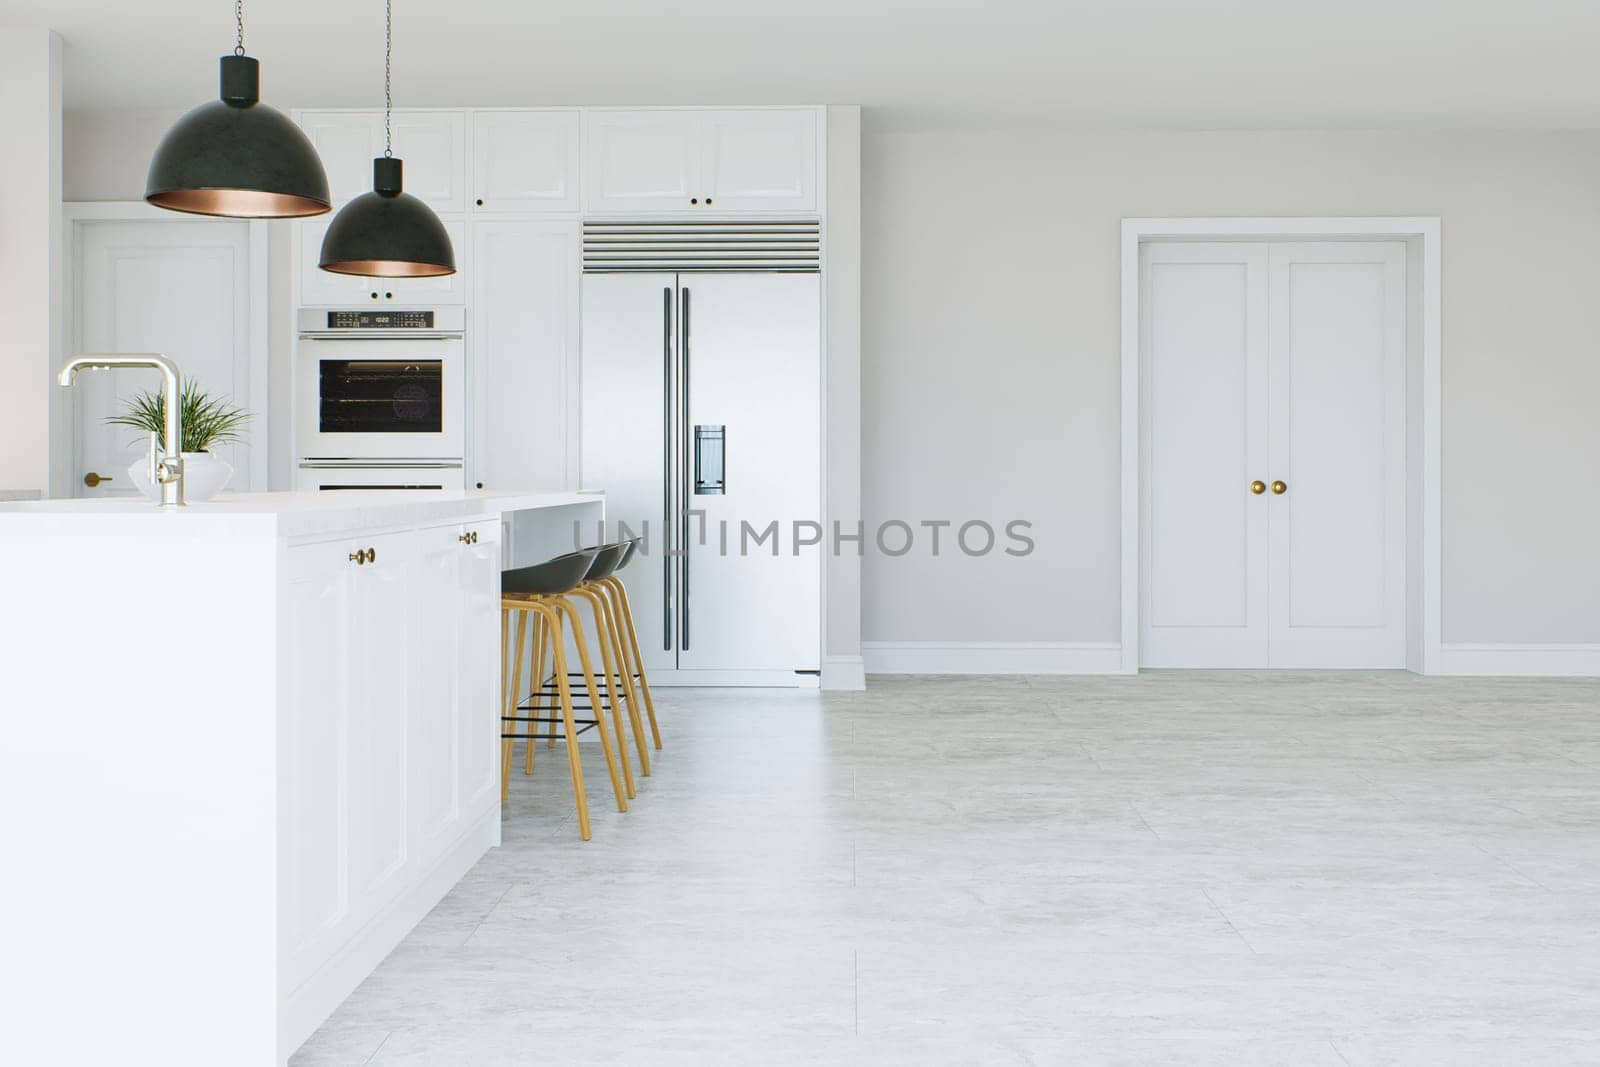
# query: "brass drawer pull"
[469,538]
[1278,488]
[364,555]
[1258,487]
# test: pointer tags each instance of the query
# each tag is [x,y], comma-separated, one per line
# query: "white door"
[756,159]
[751,600]
[629,349]
[525,353]
[1203,381]
[1273,470]
[525,161]
[179,287]
[1338,440]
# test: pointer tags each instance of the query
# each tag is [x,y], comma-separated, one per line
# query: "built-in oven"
[331,475]
[386,386]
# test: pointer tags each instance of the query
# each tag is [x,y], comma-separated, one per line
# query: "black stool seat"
[552,577]
[606,558]
[627,554]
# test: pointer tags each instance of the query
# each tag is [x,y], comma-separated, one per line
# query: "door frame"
[63,422]
[1422,236]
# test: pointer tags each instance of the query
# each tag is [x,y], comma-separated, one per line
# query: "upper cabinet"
[673,161]
[432,145]
[525,161]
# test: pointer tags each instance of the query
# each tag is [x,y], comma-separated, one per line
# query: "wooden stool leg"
[633,640]
[541,632]
[508,728]
[594,698]
[614,690]
[553,624]
[604,589]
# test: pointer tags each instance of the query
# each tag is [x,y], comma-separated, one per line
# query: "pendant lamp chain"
[238,19]
[388,96]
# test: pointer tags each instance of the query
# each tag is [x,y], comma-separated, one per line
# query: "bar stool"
[622,609]
[540,592]
[619,673]
[612,665]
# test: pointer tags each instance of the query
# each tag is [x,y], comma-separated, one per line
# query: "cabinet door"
[316,740]
[453,686]
[478,668]
[433,146]
[435,712]
[759,159]
[320,288]
[525,161]
[642,161]
[347,142]
[377,782]
[524,340]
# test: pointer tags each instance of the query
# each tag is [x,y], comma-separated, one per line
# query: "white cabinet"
[524,161]
[759,159]
[392,726]
[524,338]
[642,161]
[320,288]
[346,141]
[432,145]
[689,160]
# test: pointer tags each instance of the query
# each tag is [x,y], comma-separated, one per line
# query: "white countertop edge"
[286,515]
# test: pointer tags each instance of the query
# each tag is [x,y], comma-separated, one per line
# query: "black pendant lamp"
[387,233]
[236,156]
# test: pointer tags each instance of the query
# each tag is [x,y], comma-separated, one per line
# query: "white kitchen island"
[246,746]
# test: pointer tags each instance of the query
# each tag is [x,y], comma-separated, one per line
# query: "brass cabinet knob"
[1278,488]
[92,479]
[363,556]
[1258,487]
[469,538]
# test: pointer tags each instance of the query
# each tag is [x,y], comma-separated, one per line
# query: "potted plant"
[207,421]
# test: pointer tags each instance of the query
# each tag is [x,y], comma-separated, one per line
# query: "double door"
[1273,458]
[701,421]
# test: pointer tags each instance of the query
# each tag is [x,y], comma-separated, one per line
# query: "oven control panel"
[380,320]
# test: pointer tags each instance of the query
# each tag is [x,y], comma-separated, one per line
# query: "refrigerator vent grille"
[789,246]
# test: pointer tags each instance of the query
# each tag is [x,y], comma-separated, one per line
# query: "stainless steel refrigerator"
[702,424]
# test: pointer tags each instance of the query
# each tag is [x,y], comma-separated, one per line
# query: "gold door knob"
[1258,487]
[92,479]
[1278,488]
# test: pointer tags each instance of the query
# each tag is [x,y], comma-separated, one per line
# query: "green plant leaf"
[207,420]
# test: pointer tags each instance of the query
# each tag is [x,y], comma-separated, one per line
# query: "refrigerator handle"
[683,484]
[666,465]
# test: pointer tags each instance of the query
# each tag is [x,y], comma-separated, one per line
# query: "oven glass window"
[382,396]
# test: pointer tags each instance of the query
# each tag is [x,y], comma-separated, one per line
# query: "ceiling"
[1106,63]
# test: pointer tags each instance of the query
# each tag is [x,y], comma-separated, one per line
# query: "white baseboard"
[991,657]
[721,679]
[1530,661]
[844,672]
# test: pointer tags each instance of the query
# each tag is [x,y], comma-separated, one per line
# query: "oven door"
[381,399]
[315,477]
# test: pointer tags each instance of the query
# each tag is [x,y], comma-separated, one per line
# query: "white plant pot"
[204,475]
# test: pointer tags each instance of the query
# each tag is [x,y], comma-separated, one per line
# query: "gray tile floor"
[1171,868]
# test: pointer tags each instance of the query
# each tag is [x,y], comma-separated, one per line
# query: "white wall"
[30,228]
[842,665]
[991,348]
